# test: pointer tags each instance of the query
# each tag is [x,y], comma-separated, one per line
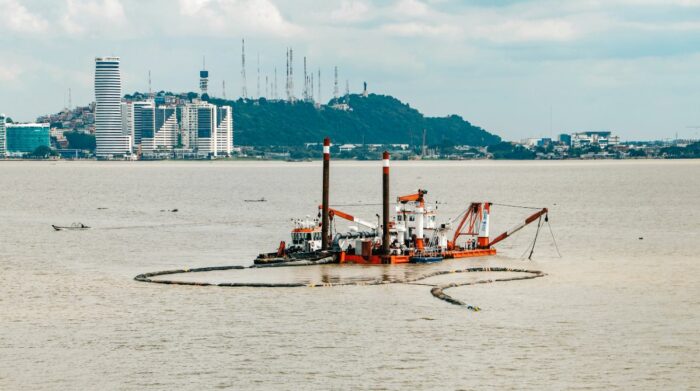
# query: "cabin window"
[412,218]
[399,218]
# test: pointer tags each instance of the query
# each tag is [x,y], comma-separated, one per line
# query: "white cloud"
[9,73]
[411,8]
[82,16]
[18,18]
[418,29]
[227,16]
[521,30]
[351,11]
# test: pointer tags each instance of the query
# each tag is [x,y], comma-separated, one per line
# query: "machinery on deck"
[411,235]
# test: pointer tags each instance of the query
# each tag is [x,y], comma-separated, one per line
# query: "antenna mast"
[244,88]
[223,89]
[305,94]
[258,76]
[336,91]
[291,74]
[319,85]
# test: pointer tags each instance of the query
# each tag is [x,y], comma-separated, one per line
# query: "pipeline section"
[438,290]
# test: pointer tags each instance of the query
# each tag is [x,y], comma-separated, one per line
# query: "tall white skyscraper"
[3,148]
[110,138]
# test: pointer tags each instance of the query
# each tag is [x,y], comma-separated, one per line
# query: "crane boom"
[335,212]
[519,226]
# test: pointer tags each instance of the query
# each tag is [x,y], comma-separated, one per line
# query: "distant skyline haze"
[514,68]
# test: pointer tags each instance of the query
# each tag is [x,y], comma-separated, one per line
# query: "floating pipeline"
[437,289]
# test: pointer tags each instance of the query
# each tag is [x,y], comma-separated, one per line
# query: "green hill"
[376,119]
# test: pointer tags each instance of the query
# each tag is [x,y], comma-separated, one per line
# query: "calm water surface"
[615,312]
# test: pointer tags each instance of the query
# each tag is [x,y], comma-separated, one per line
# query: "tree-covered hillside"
[376,119]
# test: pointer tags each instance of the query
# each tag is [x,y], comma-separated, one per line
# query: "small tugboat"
[73,226]
[411,235]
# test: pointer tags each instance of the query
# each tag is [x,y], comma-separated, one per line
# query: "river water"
[619,310]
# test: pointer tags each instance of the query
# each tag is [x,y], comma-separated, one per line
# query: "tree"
[79,140]
[43,152]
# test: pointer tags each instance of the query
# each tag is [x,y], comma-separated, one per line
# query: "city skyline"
[516,68]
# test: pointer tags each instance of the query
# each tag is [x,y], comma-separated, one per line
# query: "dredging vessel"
[410,235]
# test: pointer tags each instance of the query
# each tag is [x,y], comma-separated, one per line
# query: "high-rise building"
[24,138]
[109,133]
[128,121]
[167,125]
[143,123]
[207,128]
[224,130]
[3,147]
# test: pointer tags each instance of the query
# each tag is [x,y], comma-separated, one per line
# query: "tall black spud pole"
[385,204]
[326,184]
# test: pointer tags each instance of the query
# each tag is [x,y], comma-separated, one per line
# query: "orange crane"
[335,212]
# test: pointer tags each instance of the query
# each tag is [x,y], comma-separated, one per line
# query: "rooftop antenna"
[223,89]
[319,85]
[291,73]
[305,94]
[347,88]
[336,92]
[267,87]
[244,88]
[258,76]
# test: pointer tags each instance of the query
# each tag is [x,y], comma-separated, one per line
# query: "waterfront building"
[25,138]
[109,129]
[224,130]
[207,129]
[128,122]
[166,127]
[565,139]
[143,123]
[601,139]
[2,135]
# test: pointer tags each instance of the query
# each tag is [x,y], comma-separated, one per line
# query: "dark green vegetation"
[691,151]
[505,150]
[79,140]
[377,119]
[43,152]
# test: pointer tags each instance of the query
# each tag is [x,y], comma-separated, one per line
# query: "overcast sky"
[630,66]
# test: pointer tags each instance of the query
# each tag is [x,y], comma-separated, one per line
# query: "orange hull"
[372,259]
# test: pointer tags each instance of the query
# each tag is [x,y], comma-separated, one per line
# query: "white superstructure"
[109,134]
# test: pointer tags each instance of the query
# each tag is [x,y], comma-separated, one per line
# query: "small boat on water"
[258,200]
[73,226]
